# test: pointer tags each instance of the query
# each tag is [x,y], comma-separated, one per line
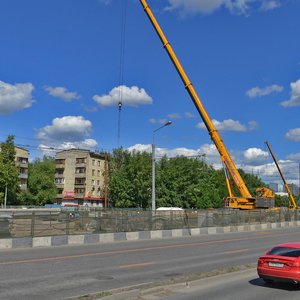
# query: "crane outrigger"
[264,196]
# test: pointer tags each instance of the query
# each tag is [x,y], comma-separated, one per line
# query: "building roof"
[92,154]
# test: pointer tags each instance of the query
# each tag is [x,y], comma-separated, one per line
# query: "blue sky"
[61,73]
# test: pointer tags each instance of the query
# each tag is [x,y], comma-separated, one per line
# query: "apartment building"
[80,178]
[21,158]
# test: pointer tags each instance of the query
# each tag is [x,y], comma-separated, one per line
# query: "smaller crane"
[292,203]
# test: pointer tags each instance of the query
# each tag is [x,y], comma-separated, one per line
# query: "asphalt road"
[233,286]
[61,272]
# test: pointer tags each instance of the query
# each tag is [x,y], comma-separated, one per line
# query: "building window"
[23,171]
[93,172]
[93,182]
[60,161]
[79,170]
[23,160]
[93,162]
[98,182]
[80,160]
[59,180]
[98,173]
[98,163]
[80,181]
[59,171]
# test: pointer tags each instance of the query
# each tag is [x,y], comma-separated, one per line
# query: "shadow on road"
[276,285]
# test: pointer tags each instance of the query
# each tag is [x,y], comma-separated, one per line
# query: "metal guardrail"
[45,222]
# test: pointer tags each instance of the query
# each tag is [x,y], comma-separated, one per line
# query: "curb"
[143,291]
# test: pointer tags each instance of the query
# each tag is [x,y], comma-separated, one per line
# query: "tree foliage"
[8,171]
[181,181]
[41,187]
[130,179]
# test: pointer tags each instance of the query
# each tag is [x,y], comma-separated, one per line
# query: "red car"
[281,263]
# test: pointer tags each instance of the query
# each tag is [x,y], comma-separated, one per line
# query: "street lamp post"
[5,196]
[153,164]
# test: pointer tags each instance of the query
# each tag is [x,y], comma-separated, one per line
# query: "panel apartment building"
[80,178]
[21,158]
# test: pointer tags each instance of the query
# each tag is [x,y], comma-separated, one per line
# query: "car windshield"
[285,251]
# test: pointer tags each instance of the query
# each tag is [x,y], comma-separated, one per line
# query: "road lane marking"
[135,250]
[236,251]
[137,265]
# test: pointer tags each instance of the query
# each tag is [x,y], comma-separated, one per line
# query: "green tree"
[8,172]
[187,183]
[130,178]
[180,181]
[41,186]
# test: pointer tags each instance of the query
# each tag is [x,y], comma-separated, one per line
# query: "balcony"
[22,164]
[80,165]
[80,175]
[23,176]
[59,185]
[79,185]
[58,175]
[23,186]
[60,166]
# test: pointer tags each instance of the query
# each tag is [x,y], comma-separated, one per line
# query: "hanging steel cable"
[121,67]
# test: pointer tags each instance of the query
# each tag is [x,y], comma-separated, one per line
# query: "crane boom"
[292,203]
[246,201]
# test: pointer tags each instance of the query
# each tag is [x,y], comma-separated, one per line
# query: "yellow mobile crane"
[264,196]
[292,203]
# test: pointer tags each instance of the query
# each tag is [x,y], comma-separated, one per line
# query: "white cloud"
[253,160]
[140,148]
[230,125]
[62,93]
[195,6]
[260,92]
[294,156]
[189,115]
[174,116]
[157,121]
[67,132]
[131,96]
[239,7]
[269,172]
[255,156]
[15,97]
[85,144]
[211,155]
[66,129]
[295,95]
[293,134]
[269,5]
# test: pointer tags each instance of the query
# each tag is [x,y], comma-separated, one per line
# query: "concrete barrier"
[101,238]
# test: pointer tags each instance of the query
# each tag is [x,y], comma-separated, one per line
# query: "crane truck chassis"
[264,196]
